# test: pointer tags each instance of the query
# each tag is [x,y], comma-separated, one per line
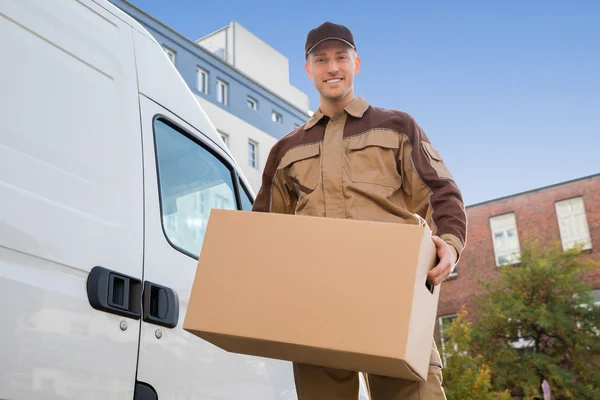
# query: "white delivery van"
[108,171]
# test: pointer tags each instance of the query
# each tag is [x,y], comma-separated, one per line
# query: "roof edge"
[554,185]
[210,34]
[203,49]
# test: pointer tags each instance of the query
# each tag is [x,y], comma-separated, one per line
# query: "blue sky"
[508,91]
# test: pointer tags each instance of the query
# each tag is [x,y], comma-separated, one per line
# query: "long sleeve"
[274,194]
[434,193]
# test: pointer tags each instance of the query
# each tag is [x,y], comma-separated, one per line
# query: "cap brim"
[329,38]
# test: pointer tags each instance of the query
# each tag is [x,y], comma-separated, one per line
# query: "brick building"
[567,212]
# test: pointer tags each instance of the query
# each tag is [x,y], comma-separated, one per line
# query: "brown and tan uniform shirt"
[364,163]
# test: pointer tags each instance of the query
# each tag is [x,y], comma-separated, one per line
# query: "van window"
[191,182]
[246,201]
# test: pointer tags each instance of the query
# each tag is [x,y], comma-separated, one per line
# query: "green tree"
[538,321]
[466,376]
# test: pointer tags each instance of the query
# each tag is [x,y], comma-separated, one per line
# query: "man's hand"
[448,256]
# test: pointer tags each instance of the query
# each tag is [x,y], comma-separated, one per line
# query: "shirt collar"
[356,108]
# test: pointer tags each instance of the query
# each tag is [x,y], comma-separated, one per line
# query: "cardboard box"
[332,292]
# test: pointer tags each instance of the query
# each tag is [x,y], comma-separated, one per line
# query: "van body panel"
[70,198]
[159,80]
[123,16]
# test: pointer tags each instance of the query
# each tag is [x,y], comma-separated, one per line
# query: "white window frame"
[224,138]
[515,252]
[202,203]
[224,100]
[595,304]
[252,103]
[253,162]
[171,54]
[441,329]
[579,237]
[277,118]
[521,342]
[454,272]
[202,76]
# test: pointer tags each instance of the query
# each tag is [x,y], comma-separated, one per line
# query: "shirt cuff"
[454,242]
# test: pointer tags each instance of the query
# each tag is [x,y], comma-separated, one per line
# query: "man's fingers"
[435,279]
[439,243]
[440,272]
[440,246]
[434,273]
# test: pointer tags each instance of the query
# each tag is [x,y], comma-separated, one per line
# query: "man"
[352,160]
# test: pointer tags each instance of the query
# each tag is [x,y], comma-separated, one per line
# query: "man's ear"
[308,70]
[357,65]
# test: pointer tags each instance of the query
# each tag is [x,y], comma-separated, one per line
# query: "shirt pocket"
[303,167]
[373,158]
[436,161]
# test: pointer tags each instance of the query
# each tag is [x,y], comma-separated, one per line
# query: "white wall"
[255,58]
[218,40]
[239,133]
[266,65]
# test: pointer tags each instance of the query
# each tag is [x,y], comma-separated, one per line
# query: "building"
[241,83]
[566,213]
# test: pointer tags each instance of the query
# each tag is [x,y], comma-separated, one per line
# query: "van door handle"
[114,293]
[160,305]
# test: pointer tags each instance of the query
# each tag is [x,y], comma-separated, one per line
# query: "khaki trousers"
[320,383]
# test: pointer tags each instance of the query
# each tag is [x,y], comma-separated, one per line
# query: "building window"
[572,223]
[252,158]
[454,272]
[221,202]
[202,203]
[444,323]
[252,103]
[170,53]
[595,294]
[202,80]
[516,338]
[221,92]
[595,297]
[506,239]
[276,118]
[224,138]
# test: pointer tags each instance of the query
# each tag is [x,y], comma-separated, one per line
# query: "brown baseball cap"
[327,31]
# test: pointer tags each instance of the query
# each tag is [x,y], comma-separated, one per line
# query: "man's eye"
[320,60]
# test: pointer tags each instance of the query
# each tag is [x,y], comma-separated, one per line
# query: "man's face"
[332,66]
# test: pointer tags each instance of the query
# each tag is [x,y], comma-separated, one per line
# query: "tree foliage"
[536,322]
[466,376]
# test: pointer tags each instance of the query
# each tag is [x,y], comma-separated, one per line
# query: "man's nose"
[332,67]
